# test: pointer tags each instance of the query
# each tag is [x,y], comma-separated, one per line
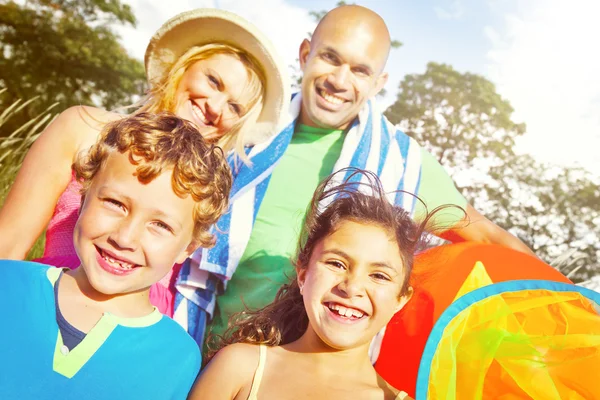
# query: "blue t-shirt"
[120,358]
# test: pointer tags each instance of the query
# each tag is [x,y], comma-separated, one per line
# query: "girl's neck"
[330,360]
[127,305]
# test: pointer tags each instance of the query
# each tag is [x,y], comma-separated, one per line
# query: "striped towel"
[372,143]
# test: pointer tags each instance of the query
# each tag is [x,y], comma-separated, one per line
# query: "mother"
[208,66]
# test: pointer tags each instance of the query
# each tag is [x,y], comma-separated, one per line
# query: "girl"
[221,88]
[353,265]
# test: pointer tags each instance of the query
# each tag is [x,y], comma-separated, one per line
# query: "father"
[333,124]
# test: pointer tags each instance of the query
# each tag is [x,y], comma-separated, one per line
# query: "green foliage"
[15,145]
[461,119]
[63,51]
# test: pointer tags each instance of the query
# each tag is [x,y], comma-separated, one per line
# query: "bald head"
[342,66]
[352,21]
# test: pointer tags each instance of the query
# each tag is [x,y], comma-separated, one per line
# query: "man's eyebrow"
[332,50]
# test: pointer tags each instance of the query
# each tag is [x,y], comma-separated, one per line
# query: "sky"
[541,55]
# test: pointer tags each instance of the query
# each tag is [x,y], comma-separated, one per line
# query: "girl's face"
[214,95]
[351,287]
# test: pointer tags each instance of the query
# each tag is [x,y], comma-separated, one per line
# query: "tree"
[461,119]
[64,51]
[459,116]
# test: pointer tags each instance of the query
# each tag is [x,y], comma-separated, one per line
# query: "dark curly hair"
[359,197]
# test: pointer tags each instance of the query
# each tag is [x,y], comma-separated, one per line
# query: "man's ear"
[380,83]
[303,53]
[404,299]
[189,250]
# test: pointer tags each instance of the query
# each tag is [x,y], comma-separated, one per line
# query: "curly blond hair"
[161,142]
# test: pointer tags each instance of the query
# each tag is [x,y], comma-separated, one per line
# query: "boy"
[152,189]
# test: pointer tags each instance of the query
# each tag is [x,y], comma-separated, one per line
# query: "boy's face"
[129,234]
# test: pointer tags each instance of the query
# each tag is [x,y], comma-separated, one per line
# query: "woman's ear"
[404,299]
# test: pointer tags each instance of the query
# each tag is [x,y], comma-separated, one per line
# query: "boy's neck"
[127,305]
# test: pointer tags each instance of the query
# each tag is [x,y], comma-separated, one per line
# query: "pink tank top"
[59,250]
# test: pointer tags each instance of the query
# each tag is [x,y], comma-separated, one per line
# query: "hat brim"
[207,25]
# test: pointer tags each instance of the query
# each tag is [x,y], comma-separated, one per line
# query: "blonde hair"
[161,96]
[161,142]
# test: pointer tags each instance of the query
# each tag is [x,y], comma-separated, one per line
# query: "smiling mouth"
[330,97]
[200,115]
[351,314]
[116,263]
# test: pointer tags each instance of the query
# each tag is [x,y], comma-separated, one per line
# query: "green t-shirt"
[266,262]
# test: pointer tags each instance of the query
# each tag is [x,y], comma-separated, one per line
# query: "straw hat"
[208,25]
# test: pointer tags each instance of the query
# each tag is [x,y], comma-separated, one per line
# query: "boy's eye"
[161,225]
[112,203]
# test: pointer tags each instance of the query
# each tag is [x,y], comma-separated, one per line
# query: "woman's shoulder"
[81,125]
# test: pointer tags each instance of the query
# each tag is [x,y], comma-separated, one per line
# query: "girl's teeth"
[349,313]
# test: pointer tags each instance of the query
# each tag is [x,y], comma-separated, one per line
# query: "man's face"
[342,69]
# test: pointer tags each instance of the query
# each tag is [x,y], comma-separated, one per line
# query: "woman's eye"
[214,81]
[235,108]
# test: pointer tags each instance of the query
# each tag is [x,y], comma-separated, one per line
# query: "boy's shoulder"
[180,343]
[25,269]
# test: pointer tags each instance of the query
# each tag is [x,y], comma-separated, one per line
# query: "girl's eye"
[381,277]
[336,264]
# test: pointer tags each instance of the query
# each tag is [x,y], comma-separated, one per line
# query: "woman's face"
[214,94]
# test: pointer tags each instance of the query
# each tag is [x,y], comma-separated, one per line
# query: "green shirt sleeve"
[437,189]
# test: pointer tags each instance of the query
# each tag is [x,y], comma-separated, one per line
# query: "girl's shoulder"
[242,357]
